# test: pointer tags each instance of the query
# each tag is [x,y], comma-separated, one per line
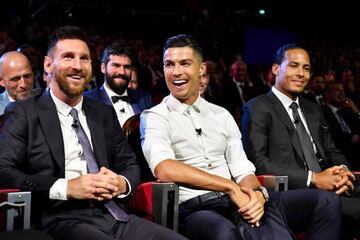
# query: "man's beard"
[72,91]
[118,88]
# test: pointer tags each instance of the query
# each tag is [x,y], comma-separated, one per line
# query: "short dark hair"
[66,32]
[183,40]
[116,49]
[280,53]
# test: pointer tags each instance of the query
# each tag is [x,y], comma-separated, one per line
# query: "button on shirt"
[123,109]
[168,131]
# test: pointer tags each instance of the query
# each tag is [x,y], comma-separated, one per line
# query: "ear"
[2,82]
[202,68]
[275,69]
[48,64]
[103,68]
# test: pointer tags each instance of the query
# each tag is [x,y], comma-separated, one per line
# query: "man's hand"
[334,179]
[346,183]
[101,186]
[92,187]
[254,209]
[116,180]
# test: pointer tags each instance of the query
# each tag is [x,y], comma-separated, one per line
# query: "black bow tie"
[114,99]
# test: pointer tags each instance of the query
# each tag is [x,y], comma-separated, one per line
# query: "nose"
[300,71]
[177,70]
[76,63]
[25,82]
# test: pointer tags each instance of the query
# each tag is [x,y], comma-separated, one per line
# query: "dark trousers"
[316,212]
[351,217]
[96,224]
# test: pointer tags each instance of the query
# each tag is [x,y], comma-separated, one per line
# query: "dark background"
[223,26]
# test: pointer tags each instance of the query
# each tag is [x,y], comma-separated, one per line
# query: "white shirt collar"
[10,98]
[111,93]
[180,107]
[64,108]
[285,100]
[333,108]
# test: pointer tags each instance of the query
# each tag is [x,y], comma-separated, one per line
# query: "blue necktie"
[113,208]
[305,141]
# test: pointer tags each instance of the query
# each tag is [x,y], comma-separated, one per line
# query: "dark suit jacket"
[271,142]
[32,149]
[232,100]
[342,139]
[139,100]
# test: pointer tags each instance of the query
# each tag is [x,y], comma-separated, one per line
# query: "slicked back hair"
[183,40]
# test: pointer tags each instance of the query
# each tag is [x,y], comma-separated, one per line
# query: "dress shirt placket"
[192,114]
[93,167]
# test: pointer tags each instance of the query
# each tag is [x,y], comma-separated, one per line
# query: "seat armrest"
[274,183]
[157,201]
[14,206]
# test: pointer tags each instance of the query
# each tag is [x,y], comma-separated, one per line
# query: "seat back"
[131,129]
[154,200]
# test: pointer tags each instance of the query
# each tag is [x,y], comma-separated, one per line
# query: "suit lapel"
[312,124]
[51,127]
[97,133]
[285,119]
[104,97]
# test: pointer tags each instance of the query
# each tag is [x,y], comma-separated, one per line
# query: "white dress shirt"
[123,109]
[75,163]
[286,102]
[203,135]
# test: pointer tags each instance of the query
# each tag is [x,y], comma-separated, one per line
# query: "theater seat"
[15,208]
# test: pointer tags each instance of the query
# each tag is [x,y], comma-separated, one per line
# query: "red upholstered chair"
[159,201]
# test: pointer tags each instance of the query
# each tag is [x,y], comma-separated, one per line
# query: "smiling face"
[69,66]
[293,74]
[182,70]
[117,73]
[16,75]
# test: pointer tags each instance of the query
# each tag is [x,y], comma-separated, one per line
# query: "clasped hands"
[250,203]
[100,186]
[337,178]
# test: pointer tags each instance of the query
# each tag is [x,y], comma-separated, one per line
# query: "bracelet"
[345,168]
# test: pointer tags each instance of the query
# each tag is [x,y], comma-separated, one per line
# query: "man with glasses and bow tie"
[116,66]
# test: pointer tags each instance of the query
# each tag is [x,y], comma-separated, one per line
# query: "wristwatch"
[263,191]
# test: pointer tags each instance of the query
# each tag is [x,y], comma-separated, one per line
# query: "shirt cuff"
[123,195]
[59,189]
[308,182]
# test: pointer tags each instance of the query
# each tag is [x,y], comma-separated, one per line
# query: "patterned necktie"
[305,141]
[113,208]
[114,99]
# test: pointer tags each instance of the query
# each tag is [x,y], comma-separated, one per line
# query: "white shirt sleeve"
[128,192]
[58,190]
[155,140]
[238,163]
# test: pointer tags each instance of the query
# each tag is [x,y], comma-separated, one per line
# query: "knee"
[329,202]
